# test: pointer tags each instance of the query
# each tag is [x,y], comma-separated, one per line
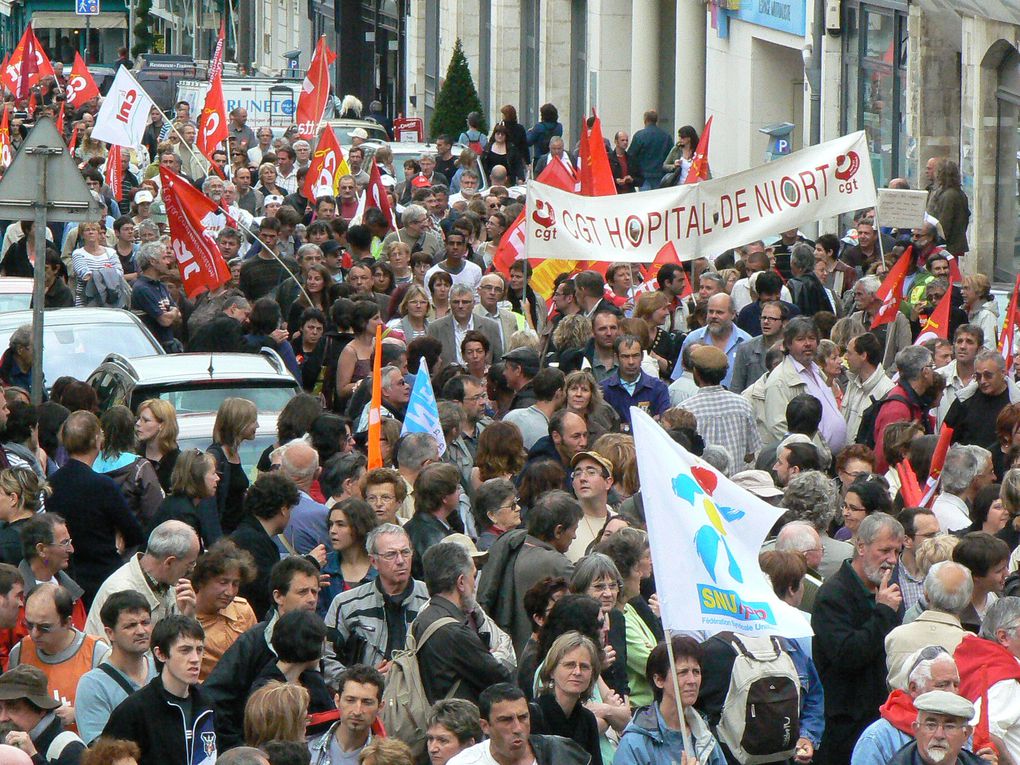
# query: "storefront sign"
[784,15]
[703,219]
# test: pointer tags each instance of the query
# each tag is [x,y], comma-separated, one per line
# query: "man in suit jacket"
[490,291]
[450,329]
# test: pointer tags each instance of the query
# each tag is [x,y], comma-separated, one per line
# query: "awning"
[68,20]
[5,7]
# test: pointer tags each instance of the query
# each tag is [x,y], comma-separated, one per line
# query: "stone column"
[689,55]
[644,59]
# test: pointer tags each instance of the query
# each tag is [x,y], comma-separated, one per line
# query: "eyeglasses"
[606,587]
[379,498]
[392,555]
[65,543]
[986,375]
[42,629]
[478,397]
[588,472]
[854,508]
[931,726]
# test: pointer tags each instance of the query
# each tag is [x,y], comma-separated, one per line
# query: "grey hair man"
[854,611]
[972,416]
[894,336]
[152,298]
[929,668]
[948,588]
[802,537]
[909,398]
[966,471]
[811,497]
[416,450]
[416,232]
[307,531]
[362,616]
[160,574]
[456,656]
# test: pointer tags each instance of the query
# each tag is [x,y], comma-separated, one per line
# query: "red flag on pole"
[891,291]
[80,85]
[375,409]
[1008,336]
[114,175]
[908,484]
[74,140]
[6,148]
[27,64]
[937,324]
[666,254]
[198,258]
[216,62]
[375,195]
[212,122]
[60,120]
[584,160]
[938,460]
[602,183]
[326,166]
[699,163]
[314,91]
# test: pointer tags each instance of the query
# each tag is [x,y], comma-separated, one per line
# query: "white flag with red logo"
[314,91]
[27,65]
[326,167]
[114,175]
[6,148]
[198,258]
[80,85]
[375,195]
[125,113]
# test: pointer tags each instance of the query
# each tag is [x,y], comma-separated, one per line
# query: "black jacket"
[15,262]
[250,536]
[95,511]
[808,294]
[909,755]
[154,720]
[581,727]
[229,684]
[524,398]
[455,652]
[849,652]
[219,335]
[202,517]
[425,530]
[69,755]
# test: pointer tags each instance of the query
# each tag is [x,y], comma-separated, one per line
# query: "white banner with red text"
[703,219]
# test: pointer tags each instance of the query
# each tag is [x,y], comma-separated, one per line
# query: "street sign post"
[86,7]
[44,184]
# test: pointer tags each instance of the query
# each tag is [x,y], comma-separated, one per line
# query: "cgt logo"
[544,216]
[847,166]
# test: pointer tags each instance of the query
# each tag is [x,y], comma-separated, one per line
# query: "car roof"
[410,147]
[343,126]
[200,424]
[16,285]
[195,367]
[72,316]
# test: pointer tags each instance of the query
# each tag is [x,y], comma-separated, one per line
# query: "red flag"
[908,484]
[216,62]
[699,163]
[80,85]
[114,175]
[602,183]
[60,120]
[584,160]
[375,195]
[937,324]
[375,410]
[26,66]
[314,91]
[891,291]
[73,141]
[666,254]
[938,460]
[6,148]
[198,258]
[212,122]
[3,73]
[1008,335]
[31,103]
[326,166]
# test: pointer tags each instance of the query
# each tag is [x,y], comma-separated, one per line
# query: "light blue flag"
[422,409]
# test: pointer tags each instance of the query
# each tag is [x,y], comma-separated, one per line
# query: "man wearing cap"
[468,653]
[941,729]
[591,479]
[450,329]
[27,707]
[724,418]
[629,386]
[548,392]
[358,136]
[929,668]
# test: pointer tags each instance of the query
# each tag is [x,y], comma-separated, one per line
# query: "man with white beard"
[941,730]
[854,610]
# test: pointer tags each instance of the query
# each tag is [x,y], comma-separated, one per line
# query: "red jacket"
[897,411]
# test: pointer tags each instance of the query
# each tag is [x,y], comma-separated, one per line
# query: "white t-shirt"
[470,274]
[478,754]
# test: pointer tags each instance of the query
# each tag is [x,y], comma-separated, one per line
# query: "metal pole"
[131,27]
[88,30]
[39,286]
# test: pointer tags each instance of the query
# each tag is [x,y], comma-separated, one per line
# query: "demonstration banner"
[707,218]
[705,533]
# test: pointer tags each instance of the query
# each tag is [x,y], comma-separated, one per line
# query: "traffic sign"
[86,7]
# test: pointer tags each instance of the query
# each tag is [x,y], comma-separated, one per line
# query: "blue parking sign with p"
[86,7]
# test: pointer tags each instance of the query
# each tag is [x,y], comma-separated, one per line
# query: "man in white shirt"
[591,479]
[967,470]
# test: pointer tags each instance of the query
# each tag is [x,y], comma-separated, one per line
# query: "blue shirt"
[153,299]
[737,336]
[648,393]
[307,527]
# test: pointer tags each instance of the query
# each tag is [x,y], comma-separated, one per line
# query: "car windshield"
[13,301]
[77,350]
[249,452]
[208,397]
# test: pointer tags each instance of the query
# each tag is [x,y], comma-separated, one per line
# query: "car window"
[249,452]
[15,302]
[208,398]
[77,350]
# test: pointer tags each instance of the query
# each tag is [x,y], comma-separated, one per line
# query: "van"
[269,101]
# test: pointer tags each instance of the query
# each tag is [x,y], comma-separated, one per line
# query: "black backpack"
[866,430]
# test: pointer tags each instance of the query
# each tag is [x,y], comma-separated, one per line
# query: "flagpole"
[878,232]
[688,748]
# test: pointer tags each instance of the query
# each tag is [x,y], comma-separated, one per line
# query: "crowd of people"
[490,598]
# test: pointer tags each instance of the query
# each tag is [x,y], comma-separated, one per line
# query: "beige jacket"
[930,628]
[859,396]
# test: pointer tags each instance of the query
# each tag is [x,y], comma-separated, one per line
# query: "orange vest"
[62,679]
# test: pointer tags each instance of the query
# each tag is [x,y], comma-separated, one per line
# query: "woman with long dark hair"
[681,156]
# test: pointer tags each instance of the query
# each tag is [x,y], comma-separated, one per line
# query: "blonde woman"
[276,712]
[584,398]
[829,360]
[21,492]
[237,421]
[981,306]
[619,449]
[413,313]
[653,308]
[191,499]
[91,256]
[398,255]
[156,430]
[565,681]
[570,338]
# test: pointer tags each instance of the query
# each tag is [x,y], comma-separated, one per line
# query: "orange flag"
[937,324]
[699,164]
[891,291]
[375,410]
[1008,335]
